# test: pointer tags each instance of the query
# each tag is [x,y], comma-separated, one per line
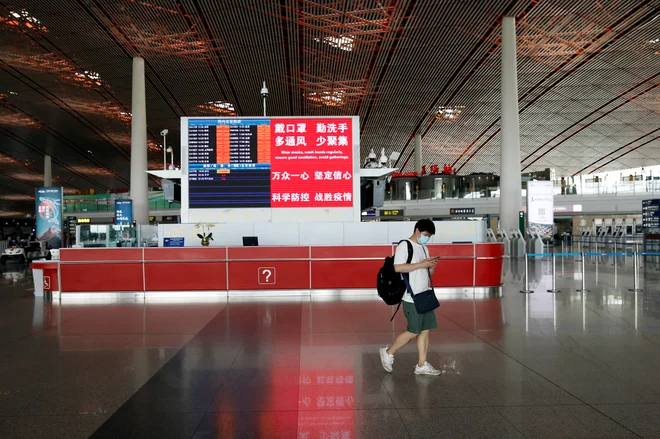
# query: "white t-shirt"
[419,279]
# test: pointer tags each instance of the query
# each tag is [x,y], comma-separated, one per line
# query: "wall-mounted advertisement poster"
[540,208]
[49,216]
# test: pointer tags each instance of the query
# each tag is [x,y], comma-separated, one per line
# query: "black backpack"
[390,285]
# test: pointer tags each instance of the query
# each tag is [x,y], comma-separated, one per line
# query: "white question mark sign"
[268,274]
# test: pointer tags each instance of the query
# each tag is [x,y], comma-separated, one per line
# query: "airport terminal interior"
[199,200]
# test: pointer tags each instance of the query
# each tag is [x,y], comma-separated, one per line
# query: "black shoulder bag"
[425,301]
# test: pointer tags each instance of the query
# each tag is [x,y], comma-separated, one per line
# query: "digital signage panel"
[123,211]
[270,163]
[540,208]
[49,215]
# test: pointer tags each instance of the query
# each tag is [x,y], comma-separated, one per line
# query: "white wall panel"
[324,233]
[366,233]
[277,233]
[321,233]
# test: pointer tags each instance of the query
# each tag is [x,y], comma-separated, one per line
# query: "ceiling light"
[341,42]
[94,76]
[654,41]
[27,176]
[221,107]
[24,17]
[449,113]
[332,98]
[17,197]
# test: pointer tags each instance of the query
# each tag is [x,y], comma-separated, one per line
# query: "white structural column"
[139,180]
[48,171]
[418,154]
[510,185]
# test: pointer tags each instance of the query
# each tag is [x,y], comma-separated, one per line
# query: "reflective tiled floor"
[570,365]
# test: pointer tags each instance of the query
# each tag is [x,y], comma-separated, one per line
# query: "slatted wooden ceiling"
[588,74]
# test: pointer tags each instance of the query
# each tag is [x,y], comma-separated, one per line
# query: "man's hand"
[428,263]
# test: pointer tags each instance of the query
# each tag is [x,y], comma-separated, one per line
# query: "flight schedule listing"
[279,163]
[229,163]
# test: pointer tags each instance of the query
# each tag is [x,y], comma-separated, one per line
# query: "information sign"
[123,211]
[266,275]
[272,163]
[173,242]
[540,208]
[462,211]
[651,214]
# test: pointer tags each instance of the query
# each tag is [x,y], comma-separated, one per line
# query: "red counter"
[263,268]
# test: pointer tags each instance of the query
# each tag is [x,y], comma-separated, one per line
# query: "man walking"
[418,271]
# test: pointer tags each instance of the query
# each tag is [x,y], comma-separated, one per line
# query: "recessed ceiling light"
[449,113]
[333,98]
[342,42]
[28,20]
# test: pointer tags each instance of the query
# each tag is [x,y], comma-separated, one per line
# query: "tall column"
[418,154]
[48,172]
[139,180]
[510,185]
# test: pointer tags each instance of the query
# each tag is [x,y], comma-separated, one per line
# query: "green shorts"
[418,322]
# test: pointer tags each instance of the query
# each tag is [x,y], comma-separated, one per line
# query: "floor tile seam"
[168,361]
[405,427]
[374,366]
[67,382]
[61,322]
[242,348]
[381,377]
[556,385]
[500,414]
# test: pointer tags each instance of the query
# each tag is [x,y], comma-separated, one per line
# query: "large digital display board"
[270,163]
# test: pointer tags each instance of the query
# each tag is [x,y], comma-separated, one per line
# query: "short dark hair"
[425,225]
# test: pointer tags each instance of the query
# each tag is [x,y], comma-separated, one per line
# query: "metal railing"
[464,191]
[103,205]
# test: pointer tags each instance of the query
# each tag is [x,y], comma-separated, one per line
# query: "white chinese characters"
[332,175]
[327,197]
[281,128]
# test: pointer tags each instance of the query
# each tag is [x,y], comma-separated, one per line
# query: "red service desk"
[263,268]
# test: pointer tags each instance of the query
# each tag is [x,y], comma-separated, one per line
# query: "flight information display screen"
[275,163]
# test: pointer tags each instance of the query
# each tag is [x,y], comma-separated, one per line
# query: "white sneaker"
[427,369]
[387,360]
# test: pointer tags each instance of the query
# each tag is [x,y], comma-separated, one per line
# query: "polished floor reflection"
[573,365]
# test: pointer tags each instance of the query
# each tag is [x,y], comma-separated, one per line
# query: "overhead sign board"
[462,211]
[398,212]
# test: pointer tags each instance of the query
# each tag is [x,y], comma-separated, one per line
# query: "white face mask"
[423,239]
